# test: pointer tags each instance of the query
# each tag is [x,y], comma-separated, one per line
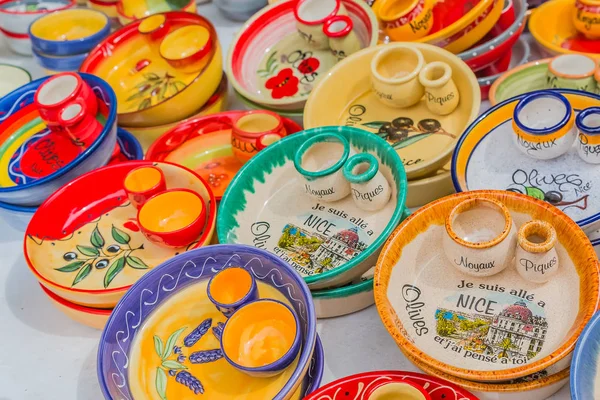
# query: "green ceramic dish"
[330,244]
[345,300]
[523,79]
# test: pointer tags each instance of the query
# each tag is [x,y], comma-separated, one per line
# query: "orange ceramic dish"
[131,10]
[93,317]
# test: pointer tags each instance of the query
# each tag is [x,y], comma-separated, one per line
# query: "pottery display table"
[45,355]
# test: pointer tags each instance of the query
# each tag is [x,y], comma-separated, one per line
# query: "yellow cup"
[586,18]
[406,20]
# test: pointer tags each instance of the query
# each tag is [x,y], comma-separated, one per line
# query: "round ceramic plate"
[137,359]
[426,145]
[552,27]
[355,386]
[84,242]
[271,64]
[585,367]
[494,328]
[12,77]
[266,206]
[486,158]
[204,146]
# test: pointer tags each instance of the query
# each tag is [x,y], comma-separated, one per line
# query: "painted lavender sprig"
[206,356]
[218,330]
[197,333]
[189,380]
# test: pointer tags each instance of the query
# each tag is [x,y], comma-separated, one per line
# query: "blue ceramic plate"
[585,366]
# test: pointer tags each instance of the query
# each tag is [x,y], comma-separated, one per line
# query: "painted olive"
[70,256]
[113,248]
[553,197]
[102,264]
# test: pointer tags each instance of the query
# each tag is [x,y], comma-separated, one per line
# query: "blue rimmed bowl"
[69,32]
[29,175]
[585,365]
[162,288]
[56,64]
[18,217]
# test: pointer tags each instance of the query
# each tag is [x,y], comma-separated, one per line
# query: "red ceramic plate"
[204,145]
[354,387]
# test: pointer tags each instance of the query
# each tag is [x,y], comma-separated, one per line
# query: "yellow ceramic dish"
[107,7]
[151,92]
[425,190]
[423,140]
[93,317]
[131,10]
[552,27]
[586,18]
[68,25]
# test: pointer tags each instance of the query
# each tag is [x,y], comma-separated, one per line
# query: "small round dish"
[69,32]
[17,15]
[11,78]
[129,11]
[56,64]
[520,80]
[91,255]
[107,7]
[519,55]
[270,64]
[187,48]
[586,361]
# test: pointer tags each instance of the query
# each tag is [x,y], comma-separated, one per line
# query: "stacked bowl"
[61,40]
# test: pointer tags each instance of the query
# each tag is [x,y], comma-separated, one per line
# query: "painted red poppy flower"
[285,84]
[309,66]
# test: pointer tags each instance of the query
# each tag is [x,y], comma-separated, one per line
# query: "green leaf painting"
[170,364]
[82,274]
[158,346]
[171,342]
[113,271]
[535,192]
[88,251]
[136,262]
[161,383]
[411,140]
[74,266]
[120,236]
[154,86]
[374,124]
[97,240]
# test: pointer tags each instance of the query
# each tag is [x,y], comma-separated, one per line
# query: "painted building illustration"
[339,249]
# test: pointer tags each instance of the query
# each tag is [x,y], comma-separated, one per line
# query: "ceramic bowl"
[356,386]
[500,39]
[552,28]
[239,10]
[520,80]
[129,11]
[425,190]
[266,205]
[204,145]
[150,91]
[585,364]
[107,7]
[217,103]
[180,284]
[270,64]
[92,255]
[18,217]
[56,64]
[17,15]
[22,184]
[295,115]
[69,32]
[489,142]
[93,317]
[423,140]
[519,55]
[421,302]
[11,78]
[17,42]
[348,299]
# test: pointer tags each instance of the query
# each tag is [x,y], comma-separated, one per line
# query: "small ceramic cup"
[572,71]
[396,389]
[588,126]
[480,237]
[142,183]
[319,161]
[310,17]
[536,258]
[231,288]
[154,28]
[173,218]
[262,338]
[544,125]
[441,94]
[406,21]
[370,190]
[342,39]
[252,131]
[60,90]
[395,75]
[81,126]
[187,48]
[586,18]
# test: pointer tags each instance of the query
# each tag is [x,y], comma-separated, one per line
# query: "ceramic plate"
[271,64]
[484,329]
[585,367]
[204,145]
[266,206]
[136,351]
[84,242]
[552,27]
[12,78]
[486,158]
[355,386]
[425,145]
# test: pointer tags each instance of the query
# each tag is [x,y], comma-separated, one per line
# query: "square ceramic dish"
[493,328]
[266,206]
[159,313]
[430,139]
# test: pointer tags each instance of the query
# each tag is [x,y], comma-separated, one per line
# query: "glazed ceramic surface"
[180,284]
[131,10]
[150,91]
[552,27]
[36,161]
[271,64]
[330,244]
[521,79]
[91,255]
[423,140]
[347,299]
[294,115]
[204,145]
[55,64]
[17,15]
[425,190]
[485,329]
[486,158]
[12,78]
[239,10]
[585,367]
[356,386]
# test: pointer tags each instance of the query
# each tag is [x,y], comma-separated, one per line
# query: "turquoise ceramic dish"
[330,244]
[585,366]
